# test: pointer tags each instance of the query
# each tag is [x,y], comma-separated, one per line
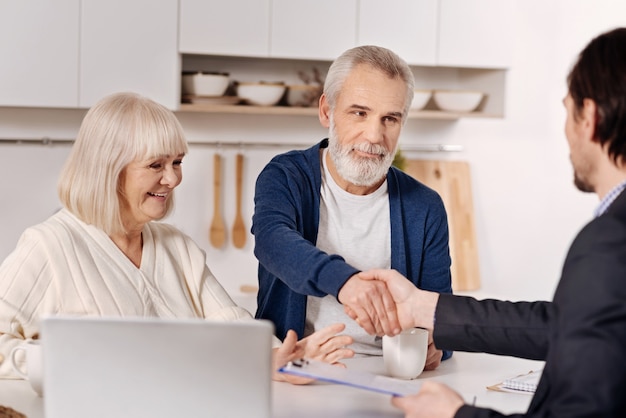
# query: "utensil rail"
[47,141]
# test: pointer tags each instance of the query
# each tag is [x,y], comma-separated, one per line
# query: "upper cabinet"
[408,27]
[39,49]
[475,34]
[129,45]
[446,33]
[297,29]
[233,27]
[71,53]
[314,30]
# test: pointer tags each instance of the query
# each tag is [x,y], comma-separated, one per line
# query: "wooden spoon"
[239,228]
[217,233]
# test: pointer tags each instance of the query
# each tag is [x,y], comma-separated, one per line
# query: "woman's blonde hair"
[119,129]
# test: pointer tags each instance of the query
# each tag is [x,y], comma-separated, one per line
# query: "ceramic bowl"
[303,95]
[261,94]
[457,100]
[205,84]
[420,98]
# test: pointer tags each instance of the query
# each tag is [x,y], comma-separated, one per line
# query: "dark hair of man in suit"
[600,75]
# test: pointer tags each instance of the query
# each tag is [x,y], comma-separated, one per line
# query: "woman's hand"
[323,345]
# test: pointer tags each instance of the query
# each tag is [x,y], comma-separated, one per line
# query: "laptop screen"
[132,367]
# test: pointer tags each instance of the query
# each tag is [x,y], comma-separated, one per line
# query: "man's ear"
[588,118]
[323,111]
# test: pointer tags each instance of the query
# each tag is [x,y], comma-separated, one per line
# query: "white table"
[468,373]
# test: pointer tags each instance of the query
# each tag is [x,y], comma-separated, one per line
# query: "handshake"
[384,302]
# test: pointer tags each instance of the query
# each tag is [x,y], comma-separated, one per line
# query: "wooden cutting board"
[451,179]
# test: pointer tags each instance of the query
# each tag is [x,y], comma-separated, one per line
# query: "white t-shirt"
[357,228]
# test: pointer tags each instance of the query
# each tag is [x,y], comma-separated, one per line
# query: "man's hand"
[433,400]
[413,307]
[433,357]
[371,305]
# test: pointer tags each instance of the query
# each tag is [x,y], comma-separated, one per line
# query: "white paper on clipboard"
[326,372]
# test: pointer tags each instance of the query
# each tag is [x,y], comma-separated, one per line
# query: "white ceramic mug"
[31,356]
[405,354]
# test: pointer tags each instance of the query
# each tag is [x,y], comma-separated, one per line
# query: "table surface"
[468,373]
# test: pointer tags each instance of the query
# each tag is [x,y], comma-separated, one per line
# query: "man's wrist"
[426,305]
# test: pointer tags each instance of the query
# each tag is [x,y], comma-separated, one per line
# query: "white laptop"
[153,368]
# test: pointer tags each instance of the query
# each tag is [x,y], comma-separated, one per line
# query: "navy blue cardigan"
[285,225]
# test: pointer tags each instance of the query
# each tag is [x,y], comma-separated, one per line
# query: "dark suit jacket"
[581,334]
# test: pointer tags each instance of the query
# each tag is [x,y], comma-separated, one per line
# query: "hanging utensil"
[217,233]
[239,227]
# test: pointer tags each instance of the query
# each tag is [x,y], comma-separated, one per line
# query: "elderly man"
[324,214]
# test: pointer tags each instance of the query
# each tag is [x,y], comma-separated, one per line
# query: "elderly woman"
[103,254]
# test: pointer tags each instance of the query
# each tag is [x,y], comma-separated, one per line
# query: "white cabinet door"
[475,33]
[129,45]
[39,50]
[317,30]
[225,27]
[407,27]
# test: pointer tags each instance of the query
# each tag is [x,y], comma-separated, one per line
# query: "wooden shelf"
[249,109]
[312,111]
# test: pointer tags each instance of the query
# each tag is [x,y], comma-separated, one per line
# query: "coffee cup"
[405,354]
[27,361]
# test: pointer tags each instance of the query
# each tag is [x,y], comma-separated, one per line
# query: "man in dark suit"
[581,334]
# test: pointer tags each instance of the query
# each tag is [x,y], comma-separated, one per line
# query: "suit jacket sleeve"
[517,329]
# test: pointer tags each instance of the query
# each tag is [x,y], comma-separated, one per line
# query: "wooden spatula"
[217,233]
[239,227]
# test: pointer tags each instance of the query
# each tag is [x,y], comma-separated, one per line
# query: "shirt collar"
[609,198]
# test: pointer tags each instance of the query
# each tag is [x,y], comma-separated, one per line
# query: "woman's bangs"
[163,137]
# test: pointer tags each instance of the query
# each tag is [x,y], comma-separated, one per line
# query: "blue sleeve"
[284,225]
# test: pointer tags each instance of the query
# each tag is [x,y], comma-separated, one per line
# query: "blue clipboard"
[363,380]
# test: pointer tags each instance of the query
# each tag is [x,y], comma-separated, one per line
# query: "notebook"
[526,382]
[153,368]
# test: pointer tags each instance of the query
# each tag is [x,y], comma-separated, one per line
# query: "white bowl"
[457,100]
[420,98]
[303,95]
[261,94]
[205,84]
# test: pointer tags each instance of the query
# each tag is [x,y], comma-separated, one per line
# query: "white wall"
[527,208]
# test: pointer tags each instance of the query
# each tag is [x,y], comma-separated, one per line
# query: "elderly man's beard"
[360,171]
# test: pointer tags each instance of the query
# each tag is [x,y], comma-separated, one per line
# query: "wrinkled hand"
[323,345]
[434,400]
[371,305]
[414,307]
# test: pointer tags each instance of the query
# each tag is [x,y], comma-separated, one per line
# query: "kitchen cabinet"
[71,53]
[407,27]
[298,29]
[232,28]
[319,30]
[129,45]
[39,49]
[450,44]
[445,33]
[475,34]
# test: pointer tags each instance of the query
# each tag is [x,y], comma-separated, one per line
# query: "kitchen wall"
[527,209]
